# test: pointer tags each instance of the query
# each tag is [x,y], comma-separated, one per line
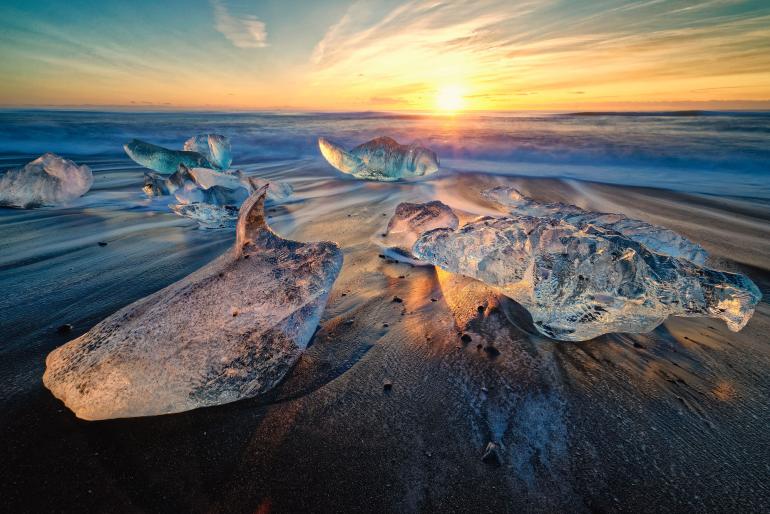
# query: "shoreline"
[621,422]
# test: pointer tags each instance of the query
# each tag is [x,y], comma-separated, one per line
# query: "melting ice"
[380,159]
[204,193]
[410,221]
[214,147]
[164,160]
[48,180]
[581,281]
[228,331]
[657,239]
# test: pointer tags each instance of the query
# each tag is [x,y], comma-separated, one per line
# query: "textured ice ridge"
[230,330]
[410,221]
[214,147]
[48,180]
[209,196]
[579,282]
[657,239]
[381,159]
[164,160]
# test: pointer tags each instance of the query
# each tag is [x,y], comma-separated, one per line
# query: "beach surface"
[672,420]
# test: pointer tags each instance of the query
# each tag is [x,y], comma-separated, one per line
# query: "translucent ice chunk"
[657,239]
[206,178]
[164,160]
[155,185]
[278,192]
[214,147]
[231,330]
[411,220]
[48,180]
[380,159]
[214,195]
[208,216]
[578,282]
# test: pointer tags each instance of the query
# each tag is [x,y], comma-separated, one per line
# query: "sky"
[426,55]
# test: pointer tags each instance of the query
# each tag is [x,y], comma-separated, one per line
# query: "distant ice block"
[380,159]
[228,331]
[48,180]
[579,282]
[411,220]
[658,239]
[214,147]
[164,160]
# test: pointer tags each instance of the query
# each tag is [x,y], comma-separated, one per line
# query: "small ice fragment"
[657,239]
[155,185]
[381,159]
[412,219]
[48,180]
[181,348]
[278,192]
[164,160]
[579,282]
[214,147]
[207,178]
[207,215]
[214,195]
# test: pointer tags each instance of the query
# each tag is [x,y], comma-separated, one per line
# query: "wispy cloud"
[551,48]
[244,31]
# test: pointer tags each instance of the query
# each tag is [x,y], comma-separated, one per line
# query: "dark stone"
[387,385]
[102,243]
[396,299]
[492,351]
[465,338]
[64,329]
[433,300]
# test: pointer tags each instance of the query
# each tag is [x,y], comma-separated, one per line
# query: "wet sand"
[673,420]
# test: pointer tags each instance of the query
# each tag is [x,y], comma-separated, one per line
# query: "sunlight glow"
[450,99]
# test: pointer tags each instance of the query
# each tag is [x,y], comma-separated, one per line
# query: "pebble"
[65,329]
[387,385]
[397,299]
[465,338]
[102,243]
[492,351]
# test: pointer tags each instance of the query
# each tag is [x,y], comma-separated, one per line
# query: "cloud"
[550,49]
[244,31]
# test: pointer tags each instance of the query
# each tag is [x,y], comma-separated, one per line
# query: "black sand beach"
[674,420]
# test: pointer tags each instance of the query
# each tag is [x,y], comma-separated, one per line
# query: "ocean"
[713,153]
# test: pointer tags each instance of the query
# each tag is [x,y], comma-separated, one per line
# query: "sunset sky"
[386,55]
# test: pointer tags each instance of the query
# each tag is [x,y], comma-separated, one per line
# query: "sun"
[450,99]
